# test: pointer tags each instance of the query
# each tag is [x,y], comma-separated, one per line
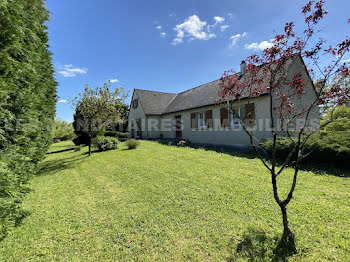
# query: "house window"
[201,120]
[236,115]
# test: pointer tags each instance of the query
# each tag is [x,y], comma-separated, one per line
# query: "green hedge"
[27,101]
[327,149]
[116,134]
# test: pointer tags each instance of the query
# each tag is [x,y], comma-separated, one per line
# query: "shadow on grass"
[246,152]
[325,169]
[237,151]
[93,151]
[18,217]
[61,151]
[50,167]
[256,245]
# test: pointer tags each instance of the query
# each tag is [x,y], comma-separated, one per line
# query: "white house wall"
[155,126]
[218,135]
[304,101]
[137,113]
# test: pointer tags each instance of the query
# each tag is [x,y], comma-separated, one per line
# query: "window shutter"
[193,120]
[209,118]
[224,117]
[250,114]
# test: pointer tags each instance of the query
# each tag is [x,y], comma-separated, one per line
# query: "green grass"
[166,203]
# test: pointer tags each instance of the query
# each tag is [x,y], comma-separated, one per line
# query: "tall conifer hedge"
[27,101]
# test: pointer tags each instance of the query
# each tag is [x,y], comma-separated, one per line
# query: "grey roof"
[158,103]
[154,103]
[200,96]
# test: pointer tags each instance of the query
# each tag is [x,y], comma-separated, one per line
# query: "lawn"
[166,203]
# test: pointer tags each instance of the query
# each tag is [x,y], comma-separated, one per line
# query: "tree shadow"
[93,151]
[247,152]
[325,169]
[50,167]
[18,217]
[236,151]
[318,168]
[256,245]
[61,151]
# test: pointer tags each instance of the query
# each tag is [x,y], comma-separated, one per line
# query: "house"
[196,115]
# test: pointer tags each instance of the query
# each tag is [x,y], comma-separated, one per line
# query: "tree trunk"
[89,146]
[286,229]
[288,238]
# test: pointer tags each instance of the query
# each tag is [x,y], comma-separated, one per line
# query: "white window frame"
[235,122]
[203,124]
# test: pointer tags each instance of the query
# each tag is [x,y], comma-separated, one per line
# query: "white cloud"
[234,39]
[113,80]
[194,28]
[162,34]
[345,61]
[71,71]
[224,27]
[259,46]
[62,101]
[159,27]
[218,19]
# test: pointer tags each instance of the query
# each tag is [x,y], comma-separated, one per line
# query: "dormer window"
[135,103]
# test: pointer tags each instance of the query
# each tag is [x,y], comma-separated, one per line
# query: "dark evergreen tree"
[27,101]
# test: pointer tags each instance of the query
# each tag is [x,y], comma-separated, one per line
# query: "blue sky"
[167,46]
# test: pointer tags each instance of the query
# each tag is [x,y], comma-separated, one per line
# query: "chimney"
[243,67]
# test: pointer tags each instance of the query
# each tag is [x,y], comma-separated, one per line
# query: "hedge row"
[330,149]
[116,134]
[27,101]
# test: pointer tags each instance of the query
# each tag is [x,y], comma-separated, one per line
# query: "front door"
[178,126]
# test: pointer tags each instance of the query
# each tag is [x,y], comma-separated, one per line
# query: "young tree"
[97,108]
[268,72]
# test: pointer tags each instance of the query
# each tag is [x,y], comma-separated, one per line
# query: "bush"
[105,143]
[182,143]
[132,143]
[116,134]
[331,149]
[62,131]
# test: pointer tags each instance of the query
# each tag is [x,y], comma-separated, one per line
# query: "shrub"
[132,143]
[182,143]
[116,134]
[62,131]
[331,148]
[105,143]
